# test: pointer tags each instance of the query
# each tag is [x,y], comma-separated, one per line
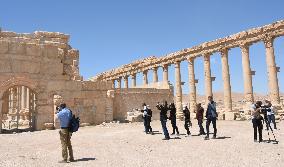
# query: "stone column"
[208,79]
[145,77]
[165,73]
[271,71]
[1,101]
[226,80]
[155,74]
[248,89]
[125,78]
[178,91]
[133,80]
[192,87]
[119,82]
[113,84]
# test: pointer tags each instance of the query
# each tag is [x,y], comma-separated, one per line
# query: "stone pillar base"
[230,116]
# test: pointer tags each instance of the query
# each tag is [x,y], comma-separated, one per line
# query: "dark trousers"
[186,126]
[201,129]
[271,118]
[148,124]
[266,122]
[257,125]
[208,122]
[164,126]
[174,125]
[145,124]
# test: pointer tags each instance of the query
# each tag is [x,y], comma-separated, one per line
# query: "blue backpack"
[74,123]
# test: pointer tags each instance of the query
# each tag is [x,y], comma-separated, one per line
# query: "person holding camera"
[211,115]
[148,120]
[144,115]
[187,122]
[64,115]
[270,114]
[257,121]
[163,118]
[173,118]
[199,117]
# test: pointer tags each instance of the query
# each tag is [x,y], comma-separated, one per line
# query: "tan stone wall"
[46,63]
[127,99]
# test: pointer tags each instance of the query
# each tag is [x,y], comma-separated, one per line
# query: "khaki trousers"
[65,137]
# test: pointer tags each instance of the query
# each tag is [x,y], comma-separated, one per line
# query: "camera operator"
[270,114]
[163,118]
[148,119]
[144,115]
[64,115]
[257,120]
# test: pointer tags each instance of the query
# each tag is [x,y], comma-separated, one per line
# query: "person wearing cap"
[148,120]
[187,122]
[173,118]
[199,117]
[163,118]
[64,115]
[211,115]
[270,114]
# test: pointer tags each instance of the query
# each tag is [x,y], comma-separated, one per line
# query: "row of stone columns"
[247,75]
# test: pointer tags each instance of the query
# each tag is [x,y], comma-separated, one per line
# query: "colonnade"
[272,70]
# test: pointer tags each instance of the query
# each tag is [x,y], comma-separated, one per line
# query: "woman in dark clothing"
[199,117]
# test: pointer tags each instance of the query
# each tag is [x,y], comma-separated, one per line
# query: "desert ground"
[125,144]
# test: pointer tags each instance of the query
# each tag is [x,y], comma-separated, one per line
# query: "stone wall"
[126,100]
[48,65]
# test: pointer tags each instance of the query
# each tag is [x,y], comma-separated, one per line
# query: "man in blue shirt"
[64,115]
[211,115]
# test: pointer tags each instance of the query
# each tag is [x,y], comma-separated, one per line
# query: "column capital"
[125,77]
[268,41]
[145,72]
[177,63]
[190,59]
[207,56]
[155,68]
[224,51]
[133,75]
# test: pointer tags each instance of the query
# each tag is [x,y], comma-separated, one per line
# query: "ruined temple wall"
[126,100]
[46,64]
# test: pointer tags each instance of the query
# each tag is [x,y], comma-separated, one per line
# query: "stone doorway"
[18,109]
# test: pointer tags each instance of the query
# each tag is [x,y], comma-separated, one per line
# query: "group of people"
[268,113]
[211,115]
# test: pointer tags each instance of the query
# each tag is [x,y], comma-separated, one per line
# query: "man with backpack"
[211,115]
[65,115]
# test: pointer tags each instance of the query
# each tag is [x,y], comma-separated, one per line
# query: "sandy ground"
[127,145]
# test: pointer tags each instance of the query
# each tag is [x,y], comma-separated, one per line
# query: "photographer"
[270,114]
[144,115]
[173,118]
[148,119]
[257,120]
[64,115]
[163,118]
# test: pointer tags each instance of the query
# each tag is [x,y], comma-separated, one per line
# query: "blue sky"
[110,33]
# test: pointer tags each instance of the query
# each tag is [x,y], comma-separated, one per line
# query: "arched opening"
[18,109]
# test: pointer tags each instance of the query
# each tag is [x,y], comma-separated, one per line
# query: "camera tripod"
[270,128]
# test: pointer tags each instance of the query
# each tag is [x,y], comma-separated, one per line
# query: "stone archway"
[18,109]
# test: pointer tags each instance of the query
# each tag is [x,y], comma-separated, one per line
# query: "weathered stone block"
[25,67]
[4,46]
[5,66]
[17,48]
[33,50]
[230,116]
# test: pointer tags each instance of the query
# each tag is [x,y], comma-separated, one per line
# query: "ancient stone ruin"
[40,70]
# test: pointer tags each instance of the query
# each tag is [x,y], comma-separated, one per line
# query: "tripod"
[270,128]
